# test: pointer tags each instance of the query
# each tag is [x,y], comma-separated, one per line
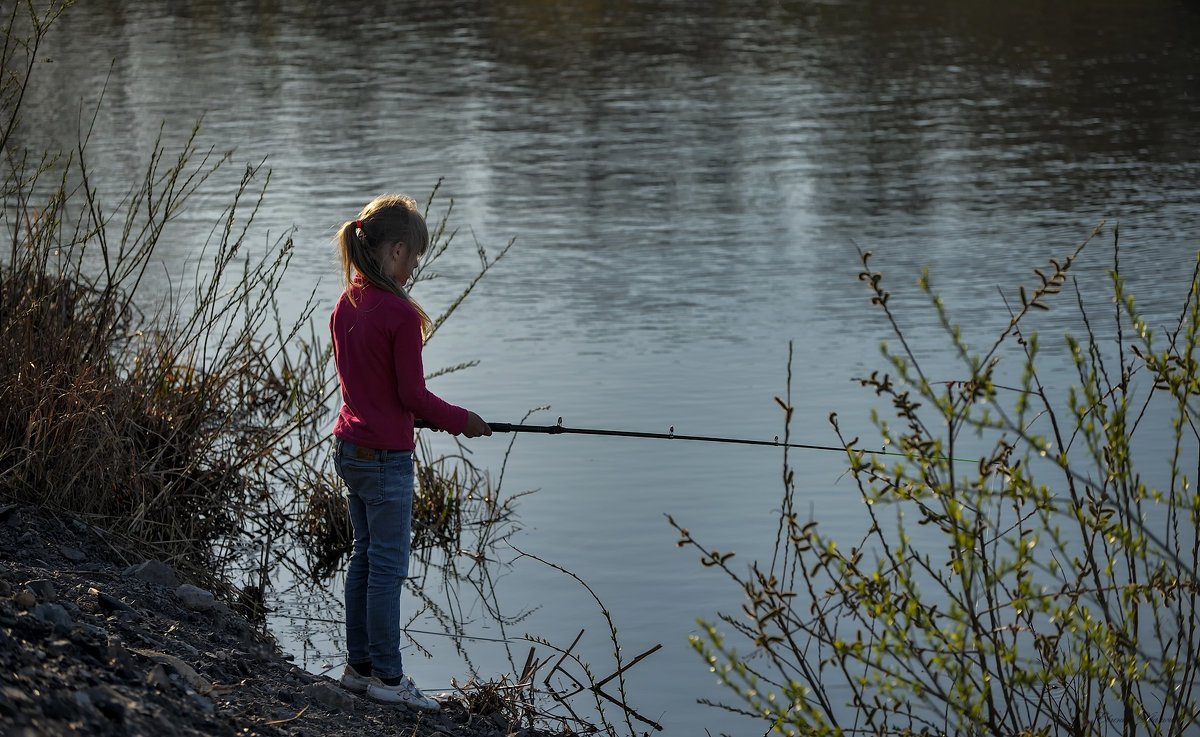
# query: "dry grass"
[193,428]
[169,423]
[163,429]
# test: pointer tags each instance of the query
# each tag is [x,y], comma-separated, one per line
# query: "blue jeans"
[380,496]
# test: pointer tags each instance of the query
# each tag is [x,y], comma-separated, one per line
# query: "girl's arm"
[410,380]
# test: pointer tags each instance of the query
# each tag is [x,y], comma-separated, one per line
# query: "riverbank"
[96,642]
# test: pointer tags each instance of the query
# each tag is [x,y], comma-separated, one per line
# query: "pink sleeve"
[410,380]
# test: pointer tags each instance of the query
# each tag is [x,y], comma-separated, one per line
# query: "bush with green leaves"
[1046,587]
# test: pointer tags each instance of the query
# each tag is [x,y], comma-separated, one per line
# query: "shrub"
[1048,586]
[192,429]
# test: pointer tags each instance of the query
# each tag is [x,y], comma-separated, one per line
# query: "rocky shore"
[94,643]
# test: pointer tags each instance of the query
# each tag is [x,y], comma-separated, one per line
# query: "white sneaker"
[405,692]
[354,681]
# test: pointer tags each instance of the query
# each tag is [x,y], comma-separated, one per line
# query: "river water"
[688,184]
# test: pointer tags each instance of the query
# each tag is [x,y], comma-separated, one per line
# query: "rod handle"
[496,426]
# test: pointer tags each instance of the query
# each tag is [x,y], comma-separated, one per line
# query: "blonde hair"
[385,221]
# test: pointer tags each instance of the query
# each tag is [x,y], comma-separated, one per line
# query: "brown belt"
[361,452]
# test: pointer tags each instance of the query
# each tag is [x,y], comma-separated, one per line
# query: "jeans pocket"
[364,479]
[398,476]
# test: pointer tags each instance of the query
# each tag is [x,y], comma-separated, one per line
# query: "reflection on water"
[687,183]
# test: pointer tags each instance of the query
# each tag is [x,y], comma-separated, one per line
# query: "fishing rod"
[559,429]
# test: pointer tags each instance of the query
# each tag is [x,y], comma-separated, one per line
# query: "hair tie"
[359,229]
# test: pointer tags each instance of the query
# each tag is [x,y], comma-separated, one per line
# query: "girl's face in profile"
[403,262]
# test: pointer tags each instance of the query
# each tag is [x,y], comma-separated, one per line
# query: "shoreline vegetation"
[1048,589]
[158,468]
[188,434]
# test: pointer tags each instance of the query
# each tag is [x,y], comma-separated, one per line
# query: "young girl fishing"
[378,331]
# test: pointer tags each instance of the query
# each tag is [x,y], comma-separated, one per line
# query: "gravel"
[94,643]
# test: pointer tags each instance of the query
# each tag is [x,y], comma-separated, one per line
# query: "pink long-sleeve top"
[377,349]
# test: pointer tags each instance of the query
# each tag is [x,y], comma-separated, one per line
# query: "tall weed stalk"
[164,427]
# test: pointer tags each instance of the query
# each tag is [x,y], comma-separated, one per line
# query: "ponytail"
[385,221]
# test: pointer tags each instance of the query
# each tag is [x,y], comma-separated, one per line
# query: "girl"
[378,331]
